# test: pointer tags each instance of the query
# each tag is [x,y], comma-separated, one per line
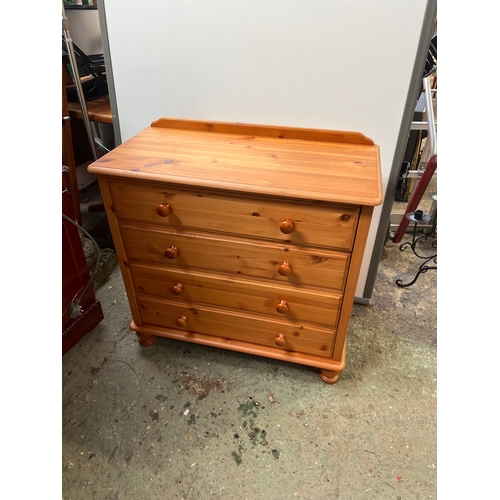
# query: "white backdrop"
[334,64]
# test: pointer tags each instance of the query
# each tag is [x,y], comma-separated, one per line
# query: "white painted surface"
[334,64]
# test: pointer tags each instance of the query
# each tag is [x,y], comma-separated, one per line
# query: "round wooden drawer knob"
[181,321]
[285,269]
[164,209]
[280,340]
[282,307]
[177,288]
[287,226]
[172,252]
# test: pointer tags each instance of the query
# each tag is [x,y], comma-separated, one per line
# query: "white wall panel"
[338,64]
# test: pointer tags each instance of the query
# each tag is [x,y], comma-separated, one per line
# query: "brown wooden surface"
[118,244]
[249,163]
[329,376]
[68,158]
[207,217]
[75,275]
[315,223]
[265,131]
[353,275]
[251,258]
[304,304]
[99,110]
[235,325]
[149,332]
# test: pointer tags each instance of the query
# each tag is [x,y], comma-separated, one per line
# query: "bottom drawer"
[236,326]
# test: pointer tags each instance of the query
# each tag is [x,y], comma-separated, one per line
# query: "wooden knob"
[177,288]
[287,226]
[172,252]
[280,340]
[282,307]
[164,209]
[345,217]
[181,321]
[285,269]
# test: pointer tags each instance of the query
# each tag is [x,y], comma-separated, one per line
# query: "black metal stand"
[424,267]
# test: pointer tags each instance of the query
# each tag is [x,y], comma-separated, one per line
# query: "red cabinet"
[75,276]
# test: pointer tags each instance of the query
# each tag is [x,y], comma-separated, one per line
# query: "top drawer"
[283,219]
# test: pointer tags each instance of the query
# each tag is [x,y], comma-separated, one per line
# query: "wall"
[334,64]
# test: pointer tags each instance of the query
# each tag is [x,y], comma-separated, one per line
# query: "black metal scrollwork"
[420,240]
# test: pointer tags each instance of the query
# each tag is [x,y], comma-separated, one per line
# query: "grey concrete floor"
[183,421]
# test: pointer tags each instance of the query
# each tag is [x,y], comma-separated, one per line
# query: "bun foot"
[145,339]
[329,376]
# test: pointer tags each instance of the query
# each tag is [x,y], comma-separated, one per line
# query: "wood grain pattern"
[264,131]
[250,163]
[304,304]
[99,110]
[237,326]
[313,267]
[234,345]
[350,289]
[244,237]
[315,223]
[118,243]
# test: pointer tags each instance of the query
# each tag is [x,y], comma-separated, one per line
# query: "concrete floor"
[183,421]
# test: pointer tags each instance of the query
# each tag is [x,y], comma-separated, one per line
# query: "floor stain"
[237,457]
[249,408]
[204,386]
[257,436]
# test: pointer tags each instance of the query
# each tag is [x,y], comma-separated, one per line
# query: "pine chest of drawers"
[244,237]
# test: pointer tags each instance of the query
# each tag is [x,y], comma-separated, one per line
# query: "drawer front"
[236,326]
[283,302]
[296,222]
[202,251]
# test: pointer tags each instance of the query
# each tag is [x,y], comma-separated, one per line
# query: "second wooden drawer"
[281,263]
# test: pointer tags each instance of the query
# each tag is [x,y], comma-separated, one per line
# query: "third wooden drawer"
[280,301]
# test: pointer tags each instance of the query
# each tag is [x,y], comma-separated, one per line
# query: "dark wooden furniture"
[245,237]
[99,110]
[75,275]
[68,157]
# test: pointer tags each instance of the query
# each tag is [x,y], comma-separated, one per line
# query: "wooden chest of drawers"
[245,237]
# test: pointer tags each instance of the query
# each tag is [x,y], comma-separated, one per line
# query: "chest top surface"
[323,165]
